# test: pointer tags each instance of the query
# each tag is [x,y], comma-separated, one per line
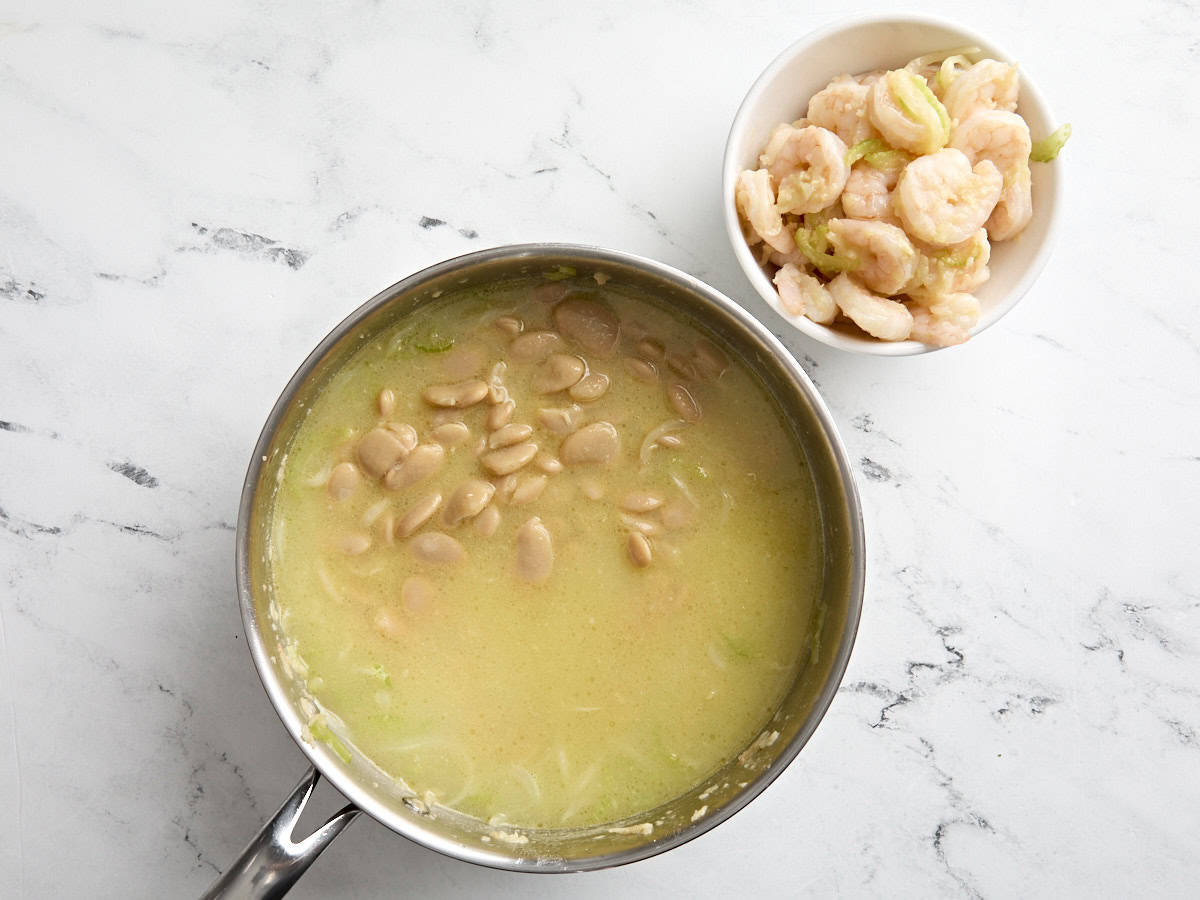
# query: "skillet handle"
[272,862]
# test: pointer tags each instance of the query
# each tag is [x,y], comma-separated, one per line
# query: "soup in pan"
[545,553]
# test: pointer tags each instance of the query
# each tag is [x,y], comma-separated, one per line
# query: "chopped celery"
[955,260]
[380,673]
[948,70]
[929,59]
[918,102]
[813,242]
[1048,148]
[865,148]
[737,647]
[888,159]
[321,731]
[433,341]
[560,273]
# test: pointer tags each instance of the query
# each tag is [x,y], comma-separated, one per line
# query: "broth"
[578,640]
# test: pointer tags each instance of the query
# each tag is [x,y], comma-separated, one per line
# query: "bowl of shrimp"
[890,184]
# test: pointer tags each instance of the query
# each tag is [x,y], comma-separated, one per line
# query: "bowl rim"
[356,789]
[730,169]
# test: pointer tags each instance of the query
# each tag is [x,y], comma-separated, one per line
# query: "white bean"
[560,420]
[343,480]
[420,464]
[709,359]
[487,522]
[558,372]
[509,459]
[436,547]
[547,463]
[457,395]
[534,346]
[509,435]
[640,552]
[597,443]
[651,349]
[379,450]
[589,323]
[535,551]
[590,388]
[528,489]
[405,432]
[510,325]
[356,543]
[641,501]
[500,414]
[467,501]
[684,403]
[642,370]
[418,514]
[451,434]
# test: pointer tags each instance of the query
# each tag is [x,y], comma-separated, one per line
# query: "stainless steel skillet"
[274,860]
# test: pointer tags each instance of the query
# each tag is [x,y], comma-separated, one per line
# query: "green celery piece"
[433,341]
[1047,149]
[560,273]
[865,148]
[321,731]
[813,243]
[888,159]
[908,104]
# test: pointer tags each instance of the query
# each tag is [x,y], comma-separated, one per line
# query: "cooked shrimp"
[1015,207]
[802,295]
[794,256]
[886,258]
[756,203]
[868,193]
[986,85]
[943,201]
[907,114]
[808,165]
[1002,137]
[944,320]
[948,270]
[842,108]
[878,316]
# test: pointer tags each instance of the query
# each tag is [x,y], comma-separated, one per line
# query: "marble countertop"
[191,196]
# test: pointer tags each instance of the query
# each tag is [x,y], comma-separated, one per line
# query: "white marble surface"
[192,194]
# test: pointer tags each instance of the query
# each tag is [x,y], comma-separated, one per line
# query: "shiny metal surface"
[834,625]
[274,859]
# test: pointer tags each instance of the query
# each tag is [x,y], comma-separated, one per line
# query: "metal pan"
[274,860]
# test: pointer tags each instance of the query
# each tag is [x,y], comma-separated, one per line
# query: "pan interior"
[834,617]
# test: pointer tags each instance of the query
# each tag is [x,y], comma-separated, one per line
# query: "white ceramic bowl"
[781,94]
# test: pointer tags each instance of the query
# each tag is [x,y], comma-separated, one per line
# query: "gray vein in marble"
[1141,626]
[566,141]
[865,423]
[1185,732]
[20,292]
[136,474]
[149,281]
[875,471]
[247,244]
[428,222]
[29,530]
[1045,338]
[196,750]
